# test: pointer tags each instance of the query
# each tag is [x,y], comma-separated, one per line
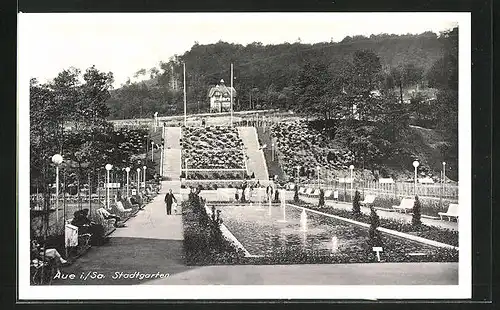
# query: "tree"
[415,220]
[356,207]
[296,193]
[321,202]
[367,68]
[312,89]
[406,75]
[375,239]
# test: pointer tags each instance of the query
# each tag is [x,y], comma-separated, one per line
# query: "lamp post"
[144,168]
[351,167]
[415,164]
[318,168]
[138,180]
[272,151]
[161,160]
[443,181]
[108,168]
[57,160]
[128,184]
[298,173]
[152,150]
[156,120]
[186,167]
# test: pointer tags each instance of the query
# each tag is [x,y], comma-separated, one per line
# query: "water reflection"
[262,234]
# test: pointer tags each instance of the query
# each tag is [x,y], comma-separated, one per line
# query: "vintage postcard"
[244,156]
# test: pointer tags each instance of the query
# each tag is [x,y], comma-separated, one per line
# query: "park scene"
[333,162]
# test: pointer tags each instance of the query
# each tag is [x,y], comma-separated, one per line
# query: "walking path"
[172,162]
[150,243]
[256,163]
[322,274]
[385,214]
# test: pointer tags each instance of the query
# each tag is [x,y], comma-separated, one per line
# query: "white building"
[220,98]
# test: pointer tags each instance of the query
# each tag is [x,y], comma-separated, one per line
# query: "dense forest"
[370,76]
[264,75]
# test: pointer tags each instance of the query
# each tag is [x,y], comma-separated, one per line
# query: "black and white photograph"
[244,156]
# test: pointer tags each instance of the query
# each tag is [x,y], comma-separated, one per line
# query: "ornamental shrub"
[356,207]
[321,202]
[296,193]
[415,220]
[374,235]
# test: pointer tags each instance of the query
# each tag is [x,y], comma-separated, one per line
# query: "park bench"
[369,199]
[108,224]
[302,190]
[128,205]
[452,212]
[121,211]
[405,204]
[138,201]
[328,193]
[316,192]
[309,191]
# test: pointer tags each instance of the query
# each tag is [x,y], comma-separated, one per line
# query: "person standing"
[169,199]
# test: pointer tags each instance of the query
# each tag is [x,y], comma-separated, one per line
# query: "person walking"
[169,199]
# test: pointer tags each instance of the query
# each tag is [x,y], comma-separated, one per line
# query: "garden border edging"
[384,230]
[228,235]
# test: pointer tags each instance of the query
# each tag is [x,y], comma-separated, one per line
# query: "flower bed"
[285,243]
[435,233]
[203,240]
[215,175]
[212,148]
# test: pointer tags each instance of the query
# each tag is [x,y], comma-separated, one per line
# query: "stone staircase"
[172,160]
[256,163]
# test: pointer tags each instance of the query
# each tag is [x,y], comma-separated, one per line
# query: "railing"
[392,190]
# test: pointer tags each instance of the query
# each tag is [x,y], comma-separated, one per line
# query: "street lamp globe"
[351,167]
[144,167]
[127,169]
[415,164]
[444,164]
[138,169]
[57,159]
[109,167]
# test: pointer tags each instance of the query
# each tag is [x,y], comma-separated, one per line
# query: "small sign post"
[378,250]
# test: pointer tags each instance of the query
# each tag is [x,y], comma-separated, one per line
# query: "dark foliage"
[356,206]
[415,220]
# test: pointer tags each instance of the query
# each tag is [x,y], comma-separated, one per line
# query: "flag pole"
[185,109]
[231,89]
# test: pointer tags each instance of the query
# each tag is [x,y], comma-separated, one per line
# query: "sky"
[124,43]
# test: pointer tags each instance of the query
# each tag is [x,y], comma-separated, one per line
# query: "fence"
[392,190]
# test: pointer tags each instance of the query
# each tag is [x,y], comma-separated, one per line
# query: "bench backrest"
[309,191]
[453,209]
[119,206]
[316,192]
[100,213]
[302,190]
[328,193]
[336,194]
[370,198]
[407,203]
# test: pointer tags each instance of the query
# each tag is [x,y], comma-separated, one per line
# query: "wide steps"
[256,162]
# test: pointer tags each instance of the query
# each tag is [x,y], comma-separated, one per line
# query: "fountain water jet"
[335,244]
[303,220]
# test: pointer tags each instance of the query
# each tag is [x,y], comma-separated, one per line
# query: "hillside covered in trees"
[264,74]
[328,81]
